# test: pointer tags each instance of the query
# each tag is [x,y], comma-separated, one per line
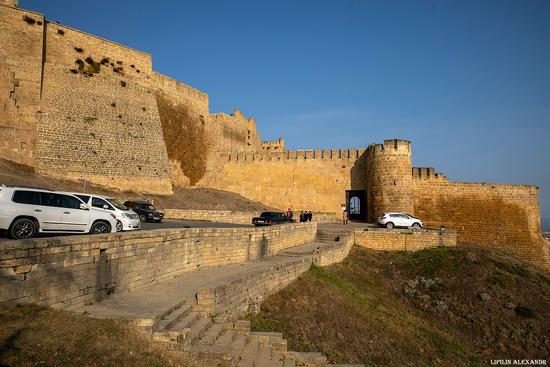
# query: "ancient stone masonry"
[76,106]
[274,145]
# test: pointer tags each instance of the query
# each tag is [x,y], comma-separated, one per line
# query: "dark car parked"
[146,211]
[270,218]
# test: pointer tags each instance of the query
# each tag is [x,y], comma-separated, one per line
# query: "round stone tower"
[389,178]
[12,3]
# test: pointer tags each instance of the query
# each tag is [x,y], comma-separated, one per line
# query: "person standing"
[289,213]
[345,217]
[309,216]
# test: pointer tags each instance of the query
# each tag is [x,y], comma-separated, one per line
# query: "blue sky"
[467,81]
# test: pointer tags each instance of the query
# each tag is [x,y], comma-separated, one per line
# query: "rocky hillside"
[189,198]
[446,307]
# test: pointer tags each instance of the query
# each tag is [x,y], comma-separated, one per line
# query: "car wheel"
[142,218]
[119,226]
[100,228]
[22,228]
[158,221]
[389,225]
[416,226]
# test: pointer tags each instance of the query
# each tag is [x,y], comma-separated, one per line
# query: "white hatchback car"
[390,220]
[24,212]
[126,219]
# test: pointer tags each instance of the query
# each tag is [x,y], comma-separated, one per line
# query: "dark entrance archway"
[356,204]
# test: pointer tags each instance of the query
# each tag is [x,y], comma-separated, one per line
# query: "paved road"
[149,226]
[189,224]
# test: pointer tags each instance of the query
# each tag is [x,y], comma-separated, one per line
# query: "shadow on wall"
[185,136]
[358,182]
[104,277]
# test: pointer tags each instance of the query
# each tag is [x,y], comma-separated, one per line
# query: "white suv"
[24,212]
[390,220]
[126,219]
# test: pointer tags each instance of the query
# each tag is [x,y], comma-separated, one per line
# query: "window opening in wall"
[394,183]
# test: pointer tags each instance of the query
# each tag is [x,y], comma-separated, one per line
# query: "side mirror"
[83,206]
[105,206]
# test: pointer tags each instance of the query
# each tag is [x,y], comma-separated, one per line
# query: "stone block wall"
[403,239]
[505,217]
[239,217]
[246,292]
[310,180]
[68,272]
[100,119]
[389,178]
[21,44]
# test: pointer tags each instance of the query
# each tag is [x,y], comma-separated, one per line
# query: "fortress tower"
[389,178]
[12,3]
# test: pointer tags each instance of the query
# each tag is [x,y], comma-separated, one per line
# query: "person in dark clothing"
[289,213]
[301,216]
[310,216]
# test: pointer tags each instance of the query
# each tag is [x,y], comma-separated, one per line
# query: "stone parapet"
[68,272]
[238,217]
[403,240]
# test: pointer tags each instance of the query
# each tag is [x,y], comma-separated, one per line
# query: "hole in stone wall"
[79,49]
[39,23]
[113,104]
[394,184]
[137,70]
[74,71]
[119,116]
[104,61]
[61,32]
[29,20]
[132,66]
[119,62]
[144,109]
[123,83]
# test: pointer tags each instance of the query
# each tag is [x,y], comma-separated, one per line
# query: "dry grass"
[416,309]
[183,198]
[37,336]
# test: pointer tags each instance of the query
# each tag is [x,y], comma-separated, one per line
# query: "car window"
[84,198]
[26,197]
[50,199]
[117,204]
[99,203]
[70,202]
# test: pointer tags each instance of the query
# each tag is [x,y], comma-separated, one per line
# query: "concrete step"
[251,347]
[198,328]
[238,344]
[185,322]
[211,334]
[310,358]
[173,317]
[226,338]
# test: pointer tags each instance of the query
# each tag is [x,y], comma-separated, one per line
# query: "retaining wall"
[68,272]
[403,240]
[239,217]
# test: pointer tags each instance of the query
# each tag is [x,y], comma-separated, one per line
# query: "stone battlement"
[341,154]
[391,146]
[427,173]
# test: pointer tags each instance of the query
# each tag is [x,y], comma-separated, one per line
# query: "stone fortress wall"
[73,106]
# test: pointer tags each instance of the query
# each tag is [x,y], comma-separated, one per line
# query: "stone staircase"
[209,341]
[194,315]
[206,343]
